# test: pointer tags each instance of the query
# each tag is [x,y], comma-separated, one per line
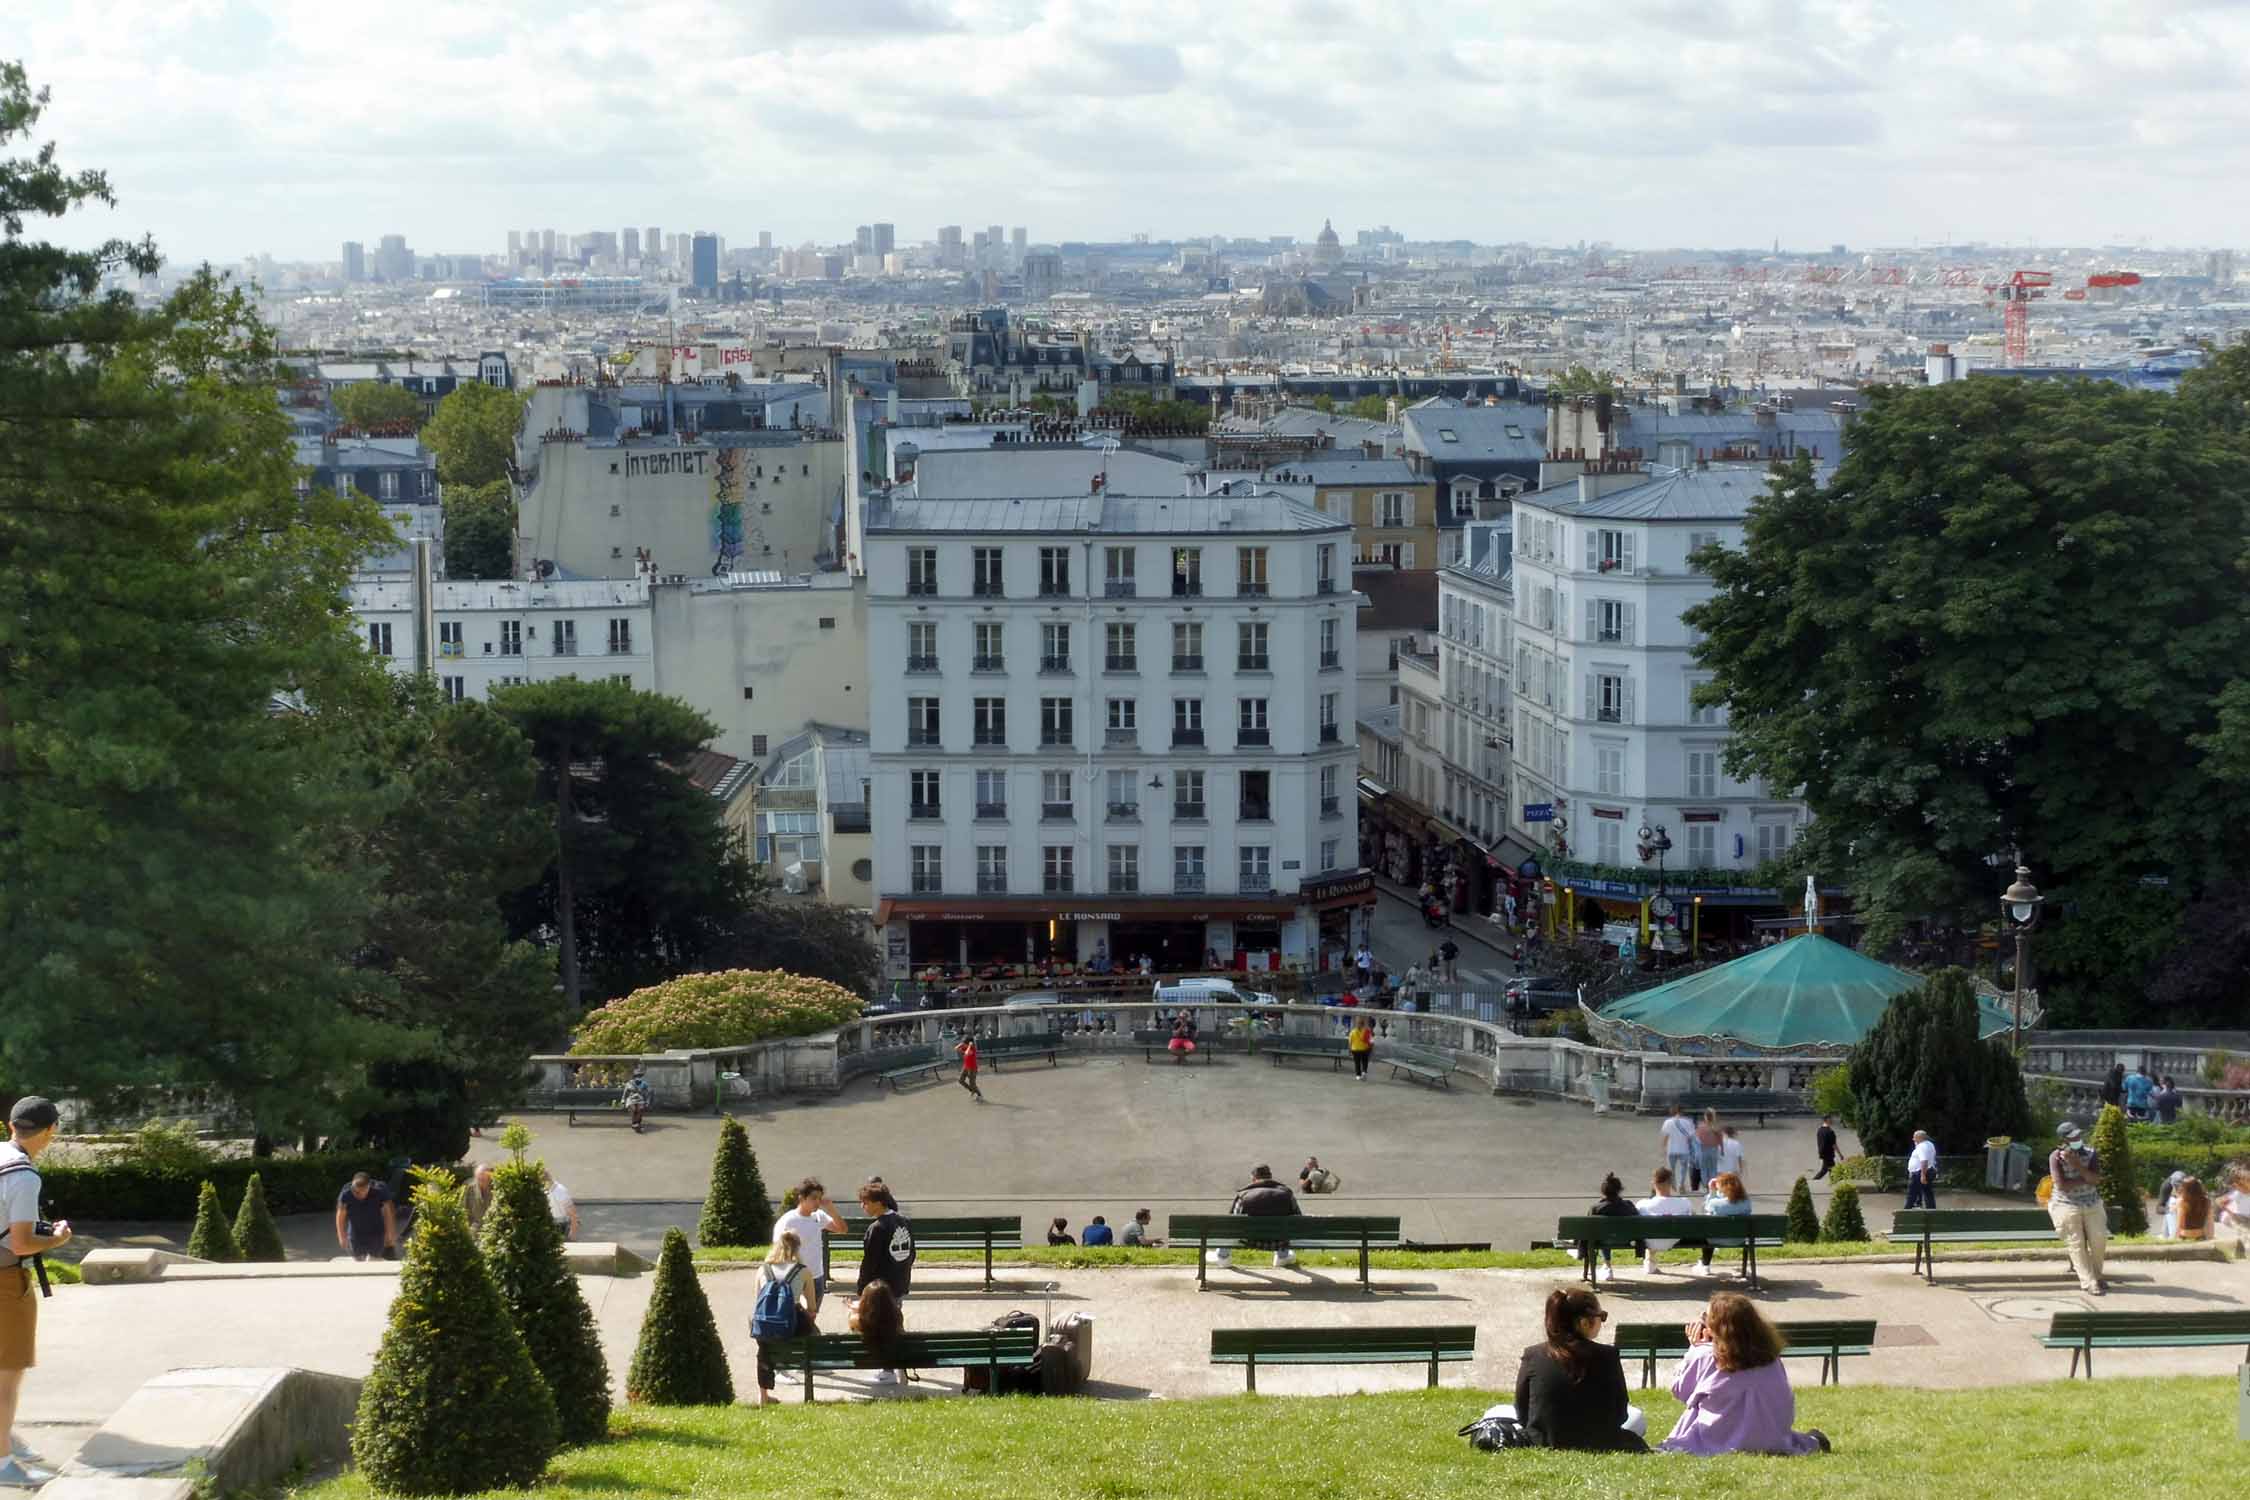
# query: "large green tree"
[480,530]
[2003,624]
[368,404]
[473,433]
[174,655]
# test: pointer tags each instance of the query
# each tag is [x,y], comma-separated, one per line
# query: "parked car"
[1212,991]
[1033,999]
[1539,995]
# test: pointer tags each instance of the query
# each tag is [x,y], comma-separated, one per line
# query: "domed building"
[1328,250]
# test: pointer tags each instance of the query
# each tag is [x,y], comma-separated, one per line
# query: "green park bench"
[912,1062]
[1329,1048]
[1738,1102]
[1748,1233]
[1299,1232]
[1435,1075]
[2084,1332]
[988,1349]
[999,1049]
[1829,1342]
[1928,1228]
[1249,1347]
[1158,1040]
[961,1233]
[578,1101]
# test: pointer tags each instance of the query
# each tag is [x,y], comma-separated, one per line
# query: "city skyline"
[261,128]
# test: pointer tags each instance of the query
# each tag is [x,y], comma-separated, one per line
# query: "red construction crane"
[2018,292]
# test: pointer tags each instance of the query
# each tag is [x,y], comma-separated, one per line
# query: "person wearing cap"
[31,1129]
[1262,1198]
[2080,1216]
[2168,1207]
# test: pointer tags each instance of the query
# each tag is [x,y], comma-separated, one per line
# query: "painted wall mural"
[726,510]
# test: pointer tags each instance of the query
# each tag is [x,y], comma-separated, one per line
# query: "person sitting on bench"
[1183,1037]
[1662,1203]
[1263,1198]
[1570,1390]
[1729,1199]
[1611,1205]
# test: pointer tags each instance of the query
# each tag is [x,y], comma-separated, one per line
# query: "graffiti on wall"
[726,510]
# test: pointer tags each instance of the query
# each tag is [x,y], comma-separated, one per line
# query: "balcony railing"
[1255,812]
[1121,663]
[988,664]
[921,588]
[1054,739]
[1186,884]
[992,885]
[1253,663]
[451,648]
[1255,885]
[989,810]
[1329,661]
[924,810]
[1055,812]
[1119,588]
[1329,734]
[1052,665]
[1187,588]
[1054,588]
[1331,807]
[1325,586]
[1187,812]
[616,648]
[923,739]
[1186,738]
[989,589]
[1124,812]
[927,885]
[566,648]
[1058,885]
[1122,884]
[1610,637]
[993,738]
[1253,736]
[1121,738]
[1608,715]
[1246,589]
[921,664]
[1182,663]
[850,817]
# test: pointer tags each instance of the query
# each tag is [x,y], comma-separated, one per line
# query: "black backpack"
[977,1377]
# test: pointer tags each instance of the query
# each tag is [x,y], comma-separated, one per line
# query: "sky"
[230,127]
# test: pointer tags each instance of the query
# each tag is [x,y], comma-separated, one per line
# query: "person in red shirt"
[968,1051]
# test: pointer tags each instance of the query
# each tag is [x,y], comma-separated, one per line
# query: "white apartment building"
[1113,723]
[1606,739]
[497,634]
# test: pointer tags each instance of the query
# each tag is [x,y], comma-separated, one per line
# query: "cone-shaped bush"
[2121,1187]
[255,1233]
[212,1238]
[454,1404]
[737,1212]
[1844,1221]
[524,1252]
[1804,1224]
[679,1360]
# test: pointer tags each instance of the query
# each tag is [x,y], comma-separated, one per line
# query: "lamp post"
[1655,841]
[2020,906]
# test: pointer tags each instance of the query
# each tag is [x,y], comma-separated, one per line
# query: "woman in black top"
[1613,1203]
[887,1254]
[1570,1390]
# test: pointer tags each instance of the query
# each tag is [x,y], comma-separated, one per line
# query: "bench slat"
[2084,1332]
[1432,1346]
[1828,1341]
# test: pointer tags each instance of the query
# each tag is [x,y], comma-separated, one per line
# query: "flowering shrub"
[730,1008]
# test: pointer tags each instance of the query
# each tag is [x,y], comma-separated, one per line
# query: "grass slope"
[2125,1437]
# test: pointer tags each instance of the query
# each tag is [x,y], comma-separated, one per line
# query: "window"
[1464,497]
[1328,853]
[1061,874]
[620,637]
[1187,796]
[1250,572]
[1330,730]
[1054,646]
[1055,721]
[928,864]
[1609,841]
[386,484]
[1612,698]
[511,637]
[989,655]
[1696,542]
[923,794]
[992,794]
[1773,841]
[1331,805]
[1187,646]
[1329,656]
[1124,724]
[991,721]
[1609,770]
[992,869]
[1054,794]
[1187,869]
[566,637]
[1327,569]
[1609,551]
[1257,797]
[1187,572]
[1703,713]
[986,579]
[783,838]
[1255,869]
[1119,651]
[1609,621]
[757,745]
[922,721]
[1250,653]
[1187,721]
[1124,798]
[1117,572]
[1702,845]
[921,570]
[455,688]
[921,646]
[1054,572]
[1124,868]
[1394,510]
[1250,727]
[1703,773]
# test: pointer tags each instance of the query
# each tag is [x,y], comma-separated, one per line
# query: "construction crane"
[2017,293]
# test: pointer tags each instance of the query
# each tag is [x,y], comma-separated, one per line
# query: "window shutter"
[1593,550]
[1624,552]
[1593,696]
[1625,700]
[1629,612]
[1593,619]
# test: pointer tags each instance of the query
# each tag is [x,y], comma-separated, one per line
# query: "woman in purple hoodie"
[1736,1392]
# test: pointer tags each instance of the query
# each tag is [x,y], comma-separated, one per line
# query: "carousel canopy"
[1805,992]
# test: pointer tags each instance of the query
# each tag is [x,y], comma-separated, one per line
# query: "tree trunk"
[566,909]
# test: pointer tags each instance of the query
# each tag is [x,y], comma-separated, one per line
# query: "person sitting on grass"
[1570,1390]
[1728,1199]
[1137,1232]
[1612,1204]
[1661,1203]
[784,1264]
[2191,1211]
[1735,1390]
[1058,1233]
[1097,1233]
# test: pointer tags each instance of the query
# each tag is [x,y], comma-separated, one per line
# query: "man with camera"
[23,1278]
[2080,1216]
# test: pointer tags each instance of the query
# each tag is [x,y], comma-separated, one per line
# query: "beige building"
[1393,510]
[764,654]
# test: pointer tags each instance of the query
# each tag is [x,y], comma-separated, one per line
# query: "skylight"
[1448,435]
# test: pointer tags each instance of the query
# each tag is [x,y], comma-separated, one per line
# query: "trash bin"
[2007,1168]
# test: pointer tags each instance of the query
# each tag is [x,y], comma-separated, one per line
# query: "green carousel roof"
[1804,992]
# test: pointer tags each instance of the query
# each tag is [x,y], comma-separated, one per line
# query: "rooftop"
[1722,492]
[447,596]
[1326,471]
[1472,434]
[1111,515]
[1012,473]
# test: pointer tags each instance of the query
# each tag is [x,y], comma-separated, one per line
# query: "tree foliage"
[2121,1186]
[524,1252]
[211,1238]
[480,530]
[725,1008]
[255,1233]
[1921,1067]
[1845,1223]
[1370,408]
[814,939]
[737,1210]
[1804,1224]
[454,1404]
[679,1360]
[2008,622]
[369,404]
[473,433]
[1578,380]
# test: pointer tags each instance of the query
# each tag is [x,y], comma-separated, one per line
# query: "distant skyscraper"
[765,242]
[2222,268]
[949,246]
[863,240]
[652,242]
[355,261]
[393,261]
[1020,237]
[547,242]
[706,263]
[629,244]
[515,247]
[996,237]
[886,238]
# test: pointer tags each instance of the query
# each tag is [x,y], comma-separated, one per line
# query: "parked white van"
[1214,991]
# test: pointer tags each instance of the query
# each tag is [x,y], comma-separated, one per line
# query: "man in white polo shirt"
[1921,1172]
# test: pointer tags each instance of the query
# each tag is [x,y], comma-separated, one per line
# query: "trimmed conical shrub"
[454,1404]
[679,1360]
[2121,1187]
[524,1252]
[1845,1221]
[1804,1224]
[737,1212]
[212,1238]
[255,1233]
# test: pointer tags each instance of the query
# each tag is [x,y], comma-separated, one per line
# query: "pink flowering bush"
[730,1008]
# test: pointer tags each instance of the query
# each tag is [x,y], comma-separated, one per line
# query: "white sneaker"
[1609,1273]
[16,1474]
[886,1377]
[1702,1269]
[1222,1257]
[1648,1265]
[1571,1251]
[1285,1257]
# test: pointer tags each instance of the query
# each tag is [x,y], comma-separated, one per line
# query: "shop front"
[1178,935]
[1343,909]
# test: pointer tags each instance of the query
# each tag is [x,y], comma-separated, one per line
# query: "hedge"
[2152,1163]
[1887,1174]
[93,1192]
[728,1008]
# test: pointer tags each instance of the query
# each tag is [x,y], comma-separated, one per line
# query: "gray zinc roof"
[1480,433]
[1723,492]
[1114,515]
[1007,472]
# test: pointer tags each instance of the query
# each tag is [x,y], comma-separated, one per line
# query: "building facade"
[1113,725]
[500,634]
[1392,509]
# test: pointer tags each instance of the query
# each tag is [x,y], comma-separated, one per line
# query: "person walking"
[1731,1154]
[1450,951]
[1707,1139]
[366,1224]
[32,1126]
[1921,1172]
[1413,985]
[561,1206]
[1365,963]
[1676,1136]
[1824,1142]
[2113,1087]
[1361,1044]
[2076,1209]
[967,1051]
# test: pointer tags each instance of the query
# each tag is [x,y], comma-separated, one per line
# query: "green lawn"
[2122,1437]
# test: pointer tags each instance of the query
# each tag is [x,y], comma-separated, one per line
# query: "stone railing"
[2090,1055]
[2082,1099]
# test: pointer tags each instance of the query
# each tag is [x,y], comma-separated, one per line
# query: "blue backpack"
[774,1316]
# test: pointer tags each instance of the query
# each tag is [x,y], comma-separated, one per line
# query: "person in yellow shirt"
[1362,1045]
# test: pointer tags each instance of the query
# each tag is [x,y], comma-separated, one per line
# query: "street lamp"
[2020,906]
[1655,841]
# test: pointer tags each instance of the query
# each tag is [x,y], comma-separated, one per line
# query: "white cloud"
[230,126]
